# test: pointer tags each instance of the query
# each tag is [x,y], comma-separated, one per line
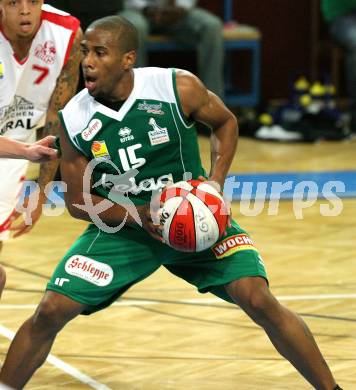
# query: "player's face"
[20,18]
[104,65]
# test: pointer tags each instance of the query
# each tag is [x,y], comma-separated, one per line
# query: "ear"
[129,59]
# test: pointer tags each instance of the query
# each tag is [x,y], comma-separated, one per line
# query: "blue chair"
[241,37]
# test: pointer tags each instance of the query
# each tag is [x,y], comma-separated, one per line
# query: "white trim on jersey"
[155,84]
[149,83]
[26,86]
[77,113]
[53,10]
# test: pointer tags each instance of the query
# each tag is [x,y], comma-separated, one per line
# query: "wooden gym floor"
[164,335]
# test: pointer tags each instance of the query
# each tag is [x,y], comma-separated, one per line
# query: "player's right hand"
[42,150]
[149,214]
[217,186]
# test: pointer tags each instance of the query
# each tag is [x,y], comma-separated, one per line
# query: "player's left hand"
[32,207]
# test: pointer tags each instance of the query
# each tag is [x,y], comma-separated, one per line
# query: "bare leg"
[288,332]
[34,339]
[2,279]
[2,275]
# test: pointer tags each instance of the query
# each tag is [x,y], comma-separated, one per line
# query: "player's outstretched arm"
[204,106]
[40,151]
[66,87]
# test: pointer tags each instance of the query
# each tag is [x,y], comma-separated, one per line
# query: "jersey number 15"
[128,158]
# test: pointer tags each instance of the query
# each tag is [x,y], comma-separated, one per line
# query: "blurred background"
[285,79]
[279,64]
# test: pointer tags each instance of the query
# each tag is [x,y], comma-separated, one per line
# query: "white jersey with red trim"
[25,91]
[26,86]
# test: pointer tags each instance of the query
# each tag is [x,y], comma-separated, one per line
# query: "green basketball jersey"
[142,146]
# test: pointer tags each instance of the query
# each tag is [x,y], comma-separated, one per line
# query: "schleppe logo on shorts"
[230,245]
[92,271]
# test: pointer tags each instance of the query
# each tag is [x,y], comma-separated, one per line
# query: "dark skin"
[288,333]
[20,20]
[105,79]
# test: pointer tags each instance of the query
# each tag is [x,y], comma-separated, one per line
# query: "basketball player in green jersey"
[124,137]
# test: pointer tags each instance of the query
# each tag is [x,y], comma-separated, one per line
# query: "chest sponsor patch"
[92,271]
[93,128]
[46,52]
[100,150]
[233,244]
[159,135]
[151,108]
[19,114]
[1,70]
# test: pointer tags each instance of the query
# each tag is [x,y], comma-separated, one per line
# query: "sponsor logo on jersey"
[46,52]
[125,134]
[127,184]
[1,70]
[93,128]
[100,150]
[151,108]
[233,244]
[92,271]
[159,135]
[18,114]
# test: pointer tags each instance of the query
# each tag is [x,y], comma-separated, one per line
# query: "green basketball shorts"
[100,267]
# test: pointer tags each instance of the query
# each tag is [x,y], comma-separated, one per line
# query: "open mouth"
[25,26]
[90,82]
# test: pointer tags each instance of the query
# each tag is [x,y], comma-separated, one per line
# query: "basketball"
[193,215]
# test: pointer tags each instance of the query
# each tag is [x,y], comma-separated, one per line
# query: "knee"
[215,24]
[212,23]
[258,302]
[46,318]
[2,279]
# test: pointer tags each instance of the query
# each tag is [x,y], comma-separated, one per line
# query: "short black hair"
[124,31]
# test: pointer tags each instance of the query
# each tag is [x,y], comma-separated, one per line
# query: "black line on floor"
[327,317]
[26,271]
[237,358]
[206,321]
[173,302]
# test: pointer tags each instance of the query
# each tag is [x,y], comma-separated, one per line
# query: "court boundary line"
[63,366]
[206,301]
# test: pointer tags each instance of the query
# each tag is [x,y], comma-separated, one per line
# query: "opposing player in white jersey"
[39,63]
[40,151]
